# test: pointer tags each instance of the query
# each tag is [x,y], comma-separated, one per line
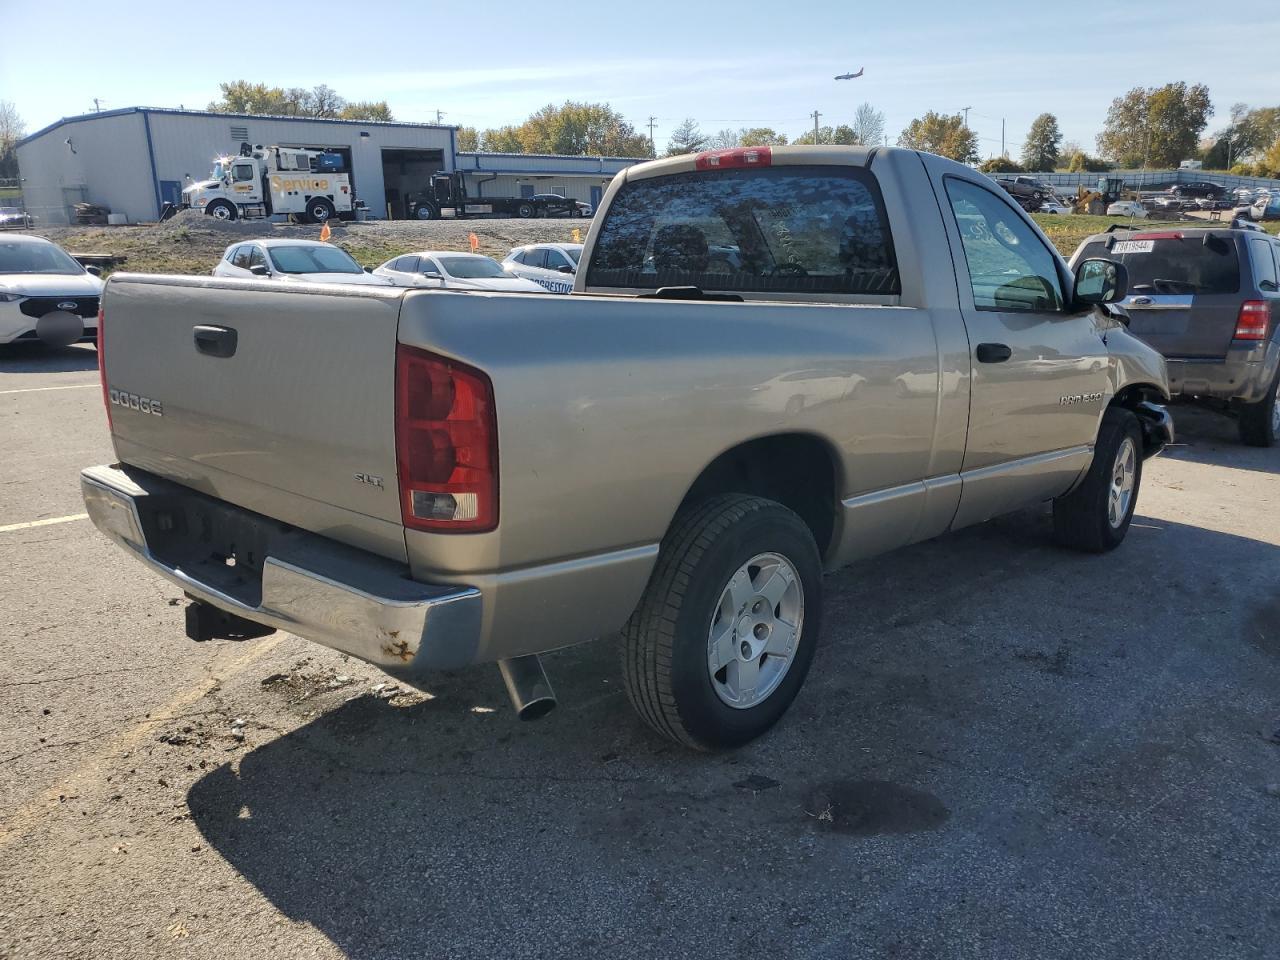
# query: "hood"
[500,284]
[51,284]
[364,279]
[202,185]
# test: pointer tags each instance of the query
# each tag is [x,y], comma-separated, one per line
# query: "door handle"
[215,341]
[993,352]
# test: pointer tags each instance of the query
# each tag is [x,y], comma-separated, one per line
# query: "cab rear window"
[777,230]
[1173,266]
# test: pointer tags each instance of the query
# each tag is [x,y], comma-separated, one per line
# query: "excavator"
[1107,191]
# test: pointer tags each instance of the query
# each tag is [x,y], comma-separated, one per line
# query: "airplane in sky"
[851,76]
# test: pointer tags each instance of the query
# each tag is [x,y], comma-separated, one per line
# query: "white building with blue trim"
[136,159]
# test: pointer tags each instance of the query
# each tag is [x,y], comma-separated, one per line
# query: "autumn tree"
[1041,150]
[1156,126]
[761,137]
[502,140]
[241,96]
[999,165]
[468,139]
[11,131]
[572,128]
[686,138]
[943,134]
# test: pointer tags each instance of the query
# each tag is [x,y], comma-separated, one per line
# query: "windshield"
[1173,266]
[472,268]
[575,254]
[9,211]
[218,172]
[312,260]
[36,258]
[780,230]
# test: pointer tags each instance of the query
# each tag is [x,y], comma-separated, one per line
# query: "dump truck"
[447,197]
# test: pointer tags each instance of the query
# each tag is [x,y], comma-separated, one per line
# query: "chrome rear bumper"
[306,584]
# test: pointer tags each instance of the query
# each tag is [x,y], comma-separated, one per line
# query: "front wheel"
[525,211]
[221,210]
[424,211]
[726,630]
[1095,516]
[1260,422]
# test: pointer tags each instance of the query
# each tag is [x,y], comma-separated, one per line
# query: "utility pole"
[96,107]
[966,116]
[817,136]
[439,116]
[1003,152]
[653,147]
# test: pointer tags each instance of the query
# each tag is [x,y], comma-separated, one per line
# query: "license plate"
[1134,246]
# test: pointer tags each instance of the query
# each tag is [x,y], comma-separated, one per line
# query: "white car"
[1127,208]
[442,269]
[1053,205]
[44,294]
[553,265]
[306,261]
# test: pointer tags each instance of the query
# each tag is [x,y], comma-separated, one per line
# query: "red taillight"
[102,362]
[1252,322]
[734,159]
[1169,235]
[446,444]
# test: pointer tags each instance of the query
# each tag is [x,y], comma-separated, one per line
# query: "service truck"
[307,185]
[672,455]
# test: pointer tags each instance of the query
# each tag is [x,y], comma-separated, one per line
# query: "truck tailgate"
[289,412]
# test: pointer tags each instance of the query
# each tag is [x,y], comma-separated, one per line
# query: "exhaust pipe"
[528,686]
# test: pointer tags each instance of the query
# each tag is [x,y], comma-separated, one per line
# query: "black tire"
[525,211]
[424,211]
[1258,427]
[1081,519]
[225,206]
[319,210]
[665,643]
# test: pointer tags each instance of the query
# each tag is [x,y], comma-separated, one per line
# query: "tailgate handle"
[993,352]
[215,341]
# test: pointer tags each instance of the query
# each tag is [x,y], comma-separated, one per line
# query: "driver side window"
[1010,269]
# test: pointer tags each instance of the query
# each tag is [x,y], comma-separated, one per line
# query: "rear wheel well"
[796,470]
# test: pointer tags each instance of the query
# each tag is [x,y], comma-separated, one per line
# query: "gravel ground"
[192,243]
[1002,751]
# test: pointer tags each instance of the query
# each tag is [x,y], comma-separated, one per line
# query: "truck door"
[1040,367]
[245,187]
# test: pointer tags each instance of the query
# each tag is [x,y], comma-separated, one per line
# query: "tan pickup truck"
[775,362]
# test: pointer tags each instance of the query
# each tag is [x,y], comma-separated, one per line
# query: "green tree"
[686,138]
[999,165]
[761,137]
[468,139]
[1156,126]
[843,135]
[1269,165]
[943,134]
[366,110]
[1081,162]
[502,140]
[1042,147]
[11,131]
[573,128]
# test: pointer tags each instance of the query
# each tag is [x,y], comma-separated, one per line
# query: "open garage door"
[405,172]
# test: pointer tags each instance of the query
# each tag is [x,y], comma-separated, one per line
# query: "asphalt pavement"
[1003,750]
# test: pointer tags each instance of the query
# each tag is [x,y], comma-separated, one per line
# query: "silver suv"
[1209,300]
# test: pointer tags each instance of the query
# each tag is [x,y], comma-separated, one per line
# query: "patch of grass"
[1068,230]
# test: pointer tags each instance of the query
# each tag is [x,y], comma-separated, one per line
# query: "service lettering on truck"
[284,186]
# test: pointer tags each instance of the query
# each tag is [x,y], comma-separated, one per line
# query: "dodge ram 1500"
[774,362]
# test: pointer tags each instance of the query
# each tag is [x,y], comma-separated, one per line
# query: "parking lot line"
[10,527]
[69,386]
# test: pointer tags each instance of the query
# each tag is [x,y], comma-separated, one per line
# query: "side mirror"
[258,270]
[368,269]
[96,271]
[564,269]
[1100,281]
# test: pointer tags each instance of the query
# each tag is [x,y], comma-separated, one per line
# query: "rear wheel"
[319,210]
[525,210]
[1260,422]
[1095,516]
[726,630]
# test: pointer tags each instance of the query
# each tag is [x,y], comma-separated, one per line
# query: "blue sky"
[724,64]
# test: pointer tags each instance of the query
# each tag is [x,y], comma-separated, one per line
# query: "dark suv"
[1196,191]
[1209,300]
